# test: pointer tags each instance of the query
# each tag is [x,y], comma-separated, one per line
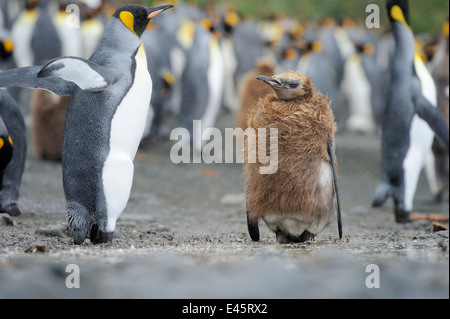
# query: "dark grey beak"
[153,12]
[271,81]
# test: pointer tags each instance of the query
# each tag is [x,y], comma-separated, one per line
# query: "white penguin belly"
[127,128]
[420,136]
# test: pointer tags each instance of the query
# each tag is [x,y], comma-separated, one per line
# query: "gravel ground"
[183,235]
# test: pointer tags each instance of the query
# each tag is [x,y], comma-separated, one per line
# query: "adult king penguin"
[105,120]
[406,140]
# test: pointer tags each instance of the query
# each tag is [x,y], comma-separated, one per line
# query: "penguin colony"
[204,65]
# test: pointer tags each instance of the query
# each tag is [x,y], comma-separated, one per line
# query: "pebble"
[6,220]
[52,231]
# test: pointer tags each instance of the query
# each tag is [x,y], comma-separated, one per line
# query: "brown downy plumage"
[48,112]
[298,200]
[250,90]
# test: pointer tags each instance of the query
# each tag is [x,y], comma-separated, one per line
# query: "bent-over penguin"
[105,120]
[406,140]
[299,198]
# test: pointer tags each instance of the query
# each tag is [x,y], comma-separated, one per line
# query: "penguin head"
[289,85]
[398,10]
[31,4]
[136,18]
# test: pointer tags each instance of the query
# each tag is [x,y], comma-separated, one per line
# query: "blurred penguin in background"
[160,69]
[6,149]
[92,25]
[241,54]
[410,119]
[45,40]
[315,63]
[440,72]
[202,83]
[67,25]
[12,174]
[250,89]
[359,83]
[48,112]
[22,33]
[7,60]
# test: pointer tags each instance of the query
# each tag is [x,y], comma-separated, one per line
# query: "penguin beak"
[153,12]
[271,81]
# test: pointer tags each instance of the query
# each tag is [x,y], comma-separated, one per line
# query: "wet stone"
[52,231]
[6,220]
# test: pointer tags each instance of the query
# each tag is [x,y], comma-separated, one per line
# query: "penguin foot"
[253,230]
[100,237]
[402,216]
[286,239]
[11,210]
[79,235]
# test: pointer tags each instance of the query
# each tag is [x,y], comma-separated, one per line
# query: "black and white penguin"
[104,123]
[45,40]
[67,25]
[440,67]
[6,149]
[409,119]
[13,170]
[22,33]
[203,83]
[7,60]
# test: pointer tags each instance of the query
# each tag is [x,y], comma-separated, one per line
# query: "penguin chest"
[127,128]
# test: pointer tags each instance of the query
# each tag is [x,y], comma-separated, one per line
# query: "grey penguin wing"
[426,111]
[86,74]
[27,78]
[330,150]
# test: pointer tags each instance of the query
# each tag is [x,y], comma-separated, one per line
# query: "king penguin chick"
[298,200]
[48,112]
[104,123]
[250,90]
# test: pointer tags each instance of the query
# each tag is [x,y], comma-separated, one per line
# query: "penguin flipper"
[426,111]
[27,77]
[330,150]
[85,74]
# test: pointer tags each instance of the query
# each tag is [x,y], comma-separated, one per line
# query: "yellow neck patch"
[232,18]
[8,44]
[445,29]
[128,19]
[397,15]
[317,46]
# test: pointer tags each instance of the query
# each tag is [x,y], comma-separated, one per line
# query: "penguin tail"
[253,230]
[381,194]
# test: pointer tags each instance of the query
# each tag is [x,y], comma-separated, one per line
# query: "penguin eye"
[293,85]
